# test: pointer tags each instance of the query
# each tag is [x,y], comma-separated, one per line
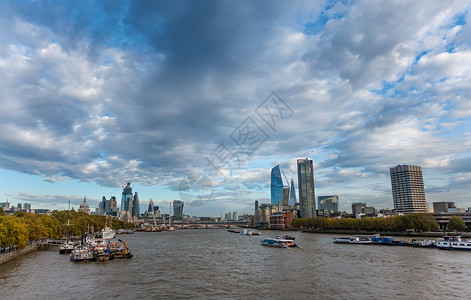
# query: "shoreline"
[9,256]
[384,233]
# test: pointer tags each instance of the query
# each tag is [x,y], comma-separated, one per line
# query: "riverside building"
[408,189]
[307,196]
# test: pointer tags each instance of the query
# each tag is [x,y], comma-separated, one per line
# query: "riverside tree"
[456,223]
[417,222]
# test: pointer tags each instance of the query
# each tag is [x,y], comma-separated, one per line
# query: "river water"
[213,263]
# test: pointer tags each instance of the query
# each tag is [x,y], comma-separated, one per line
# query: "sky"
[198,100]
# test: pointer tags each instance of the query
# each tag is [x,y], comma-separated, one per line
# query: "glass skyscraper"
[307,196]
[178,209]
[292,194]
[135,206]
[276,185]
[408,189]
[126,199]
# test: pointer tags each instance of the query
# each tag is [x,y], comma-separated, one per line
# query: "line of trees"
[17,229]
[21,227]
[81,222]
[417,222]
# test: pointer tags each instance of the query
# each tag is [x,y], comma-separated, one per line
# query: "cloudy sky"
[192,98]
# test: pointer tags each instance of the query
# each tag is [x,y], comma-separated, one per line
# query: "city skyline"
[148,93]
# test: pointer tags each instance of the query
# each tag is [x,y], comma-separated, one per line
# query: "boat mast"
[170,216]
[163,214]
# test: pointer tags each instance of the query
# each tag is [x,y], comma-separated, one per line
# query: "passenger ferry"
[277,242]
[453,243]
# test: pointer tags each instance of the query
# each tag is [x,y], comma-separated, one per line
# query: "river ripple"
[213,263]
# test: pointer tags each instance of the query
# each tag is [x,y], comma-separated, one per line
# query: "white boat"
[453,243]
[246,232]
[66,247]
[108,233]
[424,243]
[81,253]
[279,243]
[356,239]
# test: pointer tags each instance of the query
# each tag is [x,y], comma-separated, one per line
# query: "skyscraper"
[126,199]
[408,189]
[135,206]
[178,209]
[276,185]
[292,194]
[330,203]
[306,188]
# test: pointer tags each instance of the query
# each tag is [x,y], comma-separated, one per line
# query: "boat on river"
[423,243]
[278,242]
[82,253]
[66,247]
[246,232]
[356,239]
[370,240]
[453,243]
[287,237]
[107,232]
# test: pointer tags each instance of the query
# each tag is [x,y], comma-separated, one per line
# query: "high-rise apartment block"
[307,196]
[329,203]
[408,189]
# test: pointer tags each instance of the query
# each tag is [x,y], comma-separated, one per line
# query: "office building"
[135,206]
[178,209]
[235,216]
[306,188]
[276,185]
[358,208]
[126,199]
[329,203]
[408,189]
[292,194]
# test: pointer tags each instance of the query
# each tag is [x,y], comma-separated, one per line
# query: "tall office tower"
[330,203]
[178,209]
[292,194]
[408,189]
[306,188]
[150,208]
[276,185]
[113,203]
[126,199]
[234,216]
[135,206]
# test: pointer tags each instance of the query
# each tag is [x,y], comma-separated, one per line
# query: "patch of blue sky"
[450,47]
[460,19]
[389,89]
[420,55]
[315,27]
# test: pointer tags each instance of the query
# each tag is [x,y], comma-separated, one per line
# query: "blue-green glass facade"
[276,185]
